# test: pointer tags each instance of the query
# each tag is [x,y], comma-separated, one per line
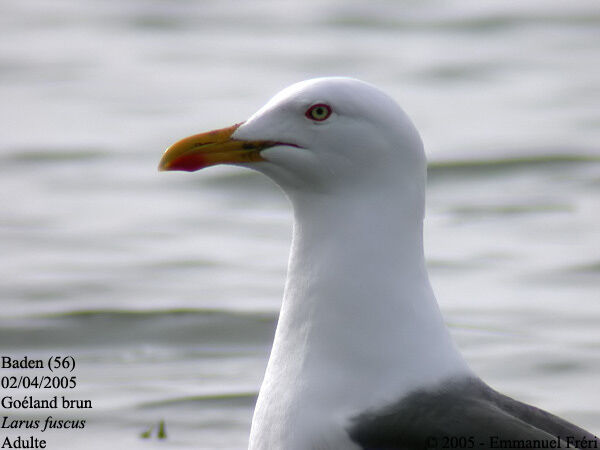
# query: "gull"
[361,357]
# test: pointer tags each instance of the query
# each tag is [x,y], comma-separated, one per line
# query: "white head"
[357,290]
[317,136]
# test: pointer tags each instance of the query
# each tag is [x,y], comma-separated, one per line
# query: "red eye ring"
[319,112]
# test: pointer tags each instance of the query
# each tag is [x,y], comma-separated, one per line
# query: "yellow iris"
[319,112]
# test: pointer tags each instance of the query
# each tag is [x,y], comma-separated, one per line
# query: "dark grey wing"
[464,414]
[541,419]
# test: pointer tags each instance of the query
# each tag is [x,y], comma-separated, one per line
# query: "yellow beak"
[207,149]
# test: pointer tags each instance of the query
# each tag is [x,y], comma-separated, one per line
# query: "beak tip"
[207,149]
[167,162]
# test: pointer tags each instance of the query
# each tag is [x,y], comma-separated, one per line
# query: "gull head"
[318,136]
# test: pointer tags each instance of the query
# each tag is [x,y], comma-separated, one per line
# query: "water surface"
[166,287]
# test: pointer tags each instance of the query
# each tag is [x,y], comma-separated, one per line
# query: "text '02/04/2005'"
[29,393]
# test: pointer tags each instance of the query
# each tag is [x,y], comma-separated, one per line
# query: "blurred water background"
[166,287]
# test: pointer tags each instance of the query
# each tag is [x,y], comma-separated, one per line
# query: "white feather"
[359,326]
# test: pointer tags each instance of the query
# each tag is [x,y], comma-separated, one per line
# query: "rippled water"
[166,287]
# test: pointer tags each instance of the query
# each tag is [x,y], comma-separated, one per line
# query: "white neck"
[359,325]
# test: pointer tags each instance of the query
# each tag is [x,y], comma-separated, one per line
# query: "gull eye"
[318,112]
